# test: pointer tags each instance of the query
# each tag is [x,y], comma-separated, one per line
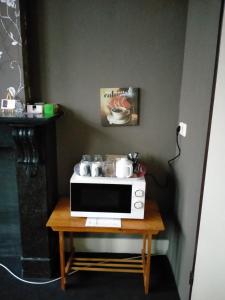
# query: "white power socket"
[183,129]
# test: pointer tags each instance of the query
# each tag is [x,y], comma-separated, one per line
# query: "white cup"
[96,169]
[84,168]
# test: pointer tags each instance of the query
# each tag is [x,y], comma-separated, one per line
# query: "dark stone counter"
[26,119]
[33,142]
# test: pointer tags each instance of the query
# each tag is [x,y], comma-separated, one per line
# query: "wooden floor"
[93,285]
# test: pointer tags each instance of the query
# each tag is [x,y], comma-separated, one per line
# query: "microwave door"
[103,198]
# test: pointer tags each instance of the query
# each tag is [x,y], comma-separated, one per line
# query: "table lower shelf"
[101,264]
[106,265]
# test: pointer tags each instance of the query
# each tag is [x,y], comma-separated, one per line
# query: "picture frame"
[119,106]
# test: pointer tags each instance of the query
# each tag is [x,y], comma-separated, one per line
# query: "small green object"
[49,109]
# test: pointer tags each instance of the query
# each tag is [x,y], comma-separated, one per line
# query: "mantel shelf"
[29,120]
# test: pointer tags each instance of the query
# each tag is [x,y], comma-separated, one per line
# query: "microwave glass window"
[101,197]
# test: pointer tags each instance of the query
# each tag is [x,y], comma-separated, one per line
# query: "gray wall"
[85,45]
[197,80]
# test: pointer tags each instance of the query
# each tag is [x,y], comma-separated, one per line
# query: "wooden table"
[61,221]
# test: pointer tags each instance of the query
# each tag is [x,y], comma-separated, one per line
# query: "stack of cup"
[91,166]
[85,165]
[96,166]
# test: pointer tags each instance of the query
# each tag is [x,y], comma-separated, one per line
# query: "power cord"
[170,161]
[49,281]
[27,281]
[178,146]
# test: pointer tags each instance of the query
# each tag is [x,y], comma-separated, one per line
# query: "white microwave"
[107,197]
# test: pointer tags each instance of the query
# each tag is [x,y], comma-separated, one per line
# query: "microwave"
[107,197]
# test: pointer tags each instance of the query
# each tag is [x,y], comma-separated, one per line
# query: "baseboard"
[117,245]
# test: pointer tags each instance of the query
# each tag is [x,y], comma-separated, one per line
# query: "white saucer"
[112,120]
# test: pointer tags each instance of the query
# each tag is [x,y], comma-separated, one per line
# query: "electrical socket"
[183,129]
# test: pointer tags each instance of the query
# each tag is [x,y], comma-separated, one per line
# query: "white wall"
[209,277]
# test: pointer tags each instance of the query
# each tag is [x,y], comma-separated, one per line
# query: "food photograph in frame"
[119,106]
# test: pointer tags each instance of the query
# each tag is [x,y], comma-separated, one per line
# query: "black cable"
[170,161]
[178,146]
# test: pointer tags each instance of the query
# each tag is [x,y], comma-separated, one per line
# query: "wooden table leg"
[70,259]
[144,256]
[62,259]
[147,265]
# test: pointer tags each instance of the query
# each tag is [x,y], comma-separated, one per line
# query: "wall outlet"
[183,129]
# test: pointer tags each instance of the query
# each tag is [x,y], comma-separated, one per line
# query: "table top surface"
[61,220]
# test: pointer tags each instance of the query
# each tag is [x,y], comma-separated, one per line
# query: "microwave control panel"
[138,199]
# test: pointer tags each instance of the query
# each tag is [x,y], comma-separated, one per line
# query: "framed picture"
[119,106]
